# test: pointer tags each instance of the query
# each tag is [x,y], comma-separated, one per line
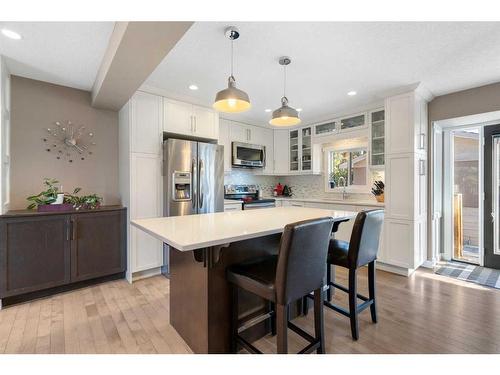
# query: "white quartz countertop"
[193,232]
[348,202]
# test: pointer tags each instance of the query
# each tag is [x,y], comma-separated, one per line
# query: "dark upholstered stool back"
[364,243]
[302,259]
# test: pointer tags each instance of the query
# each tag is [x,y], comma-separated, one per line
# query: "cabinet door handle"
[74,229]
[421,167]
[68,231]
[422,141]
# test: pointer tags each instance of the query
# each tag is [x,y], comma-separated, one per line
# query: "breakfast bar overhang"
[201,248]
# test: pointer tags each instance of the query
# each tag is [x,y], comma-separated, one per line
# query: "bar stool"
[361,250]
[296,271]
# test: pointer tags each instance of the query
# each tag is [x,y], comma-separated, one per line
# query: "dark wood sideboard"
[47,251]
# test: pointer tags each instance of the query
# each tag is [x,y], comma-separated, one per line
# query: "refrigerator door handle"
[193,184]
[201,171]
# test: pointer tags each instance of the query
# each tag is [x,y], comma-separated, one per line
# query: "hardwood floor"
[425,313]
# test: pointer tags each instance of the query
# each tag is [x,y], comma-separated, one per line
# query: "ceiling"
[64,53]
[328,60]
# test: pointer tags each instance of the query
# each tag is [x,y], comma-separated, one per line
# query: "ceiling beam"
[134,50]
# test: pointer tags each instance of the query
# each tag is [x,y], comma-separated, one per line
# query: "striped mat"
[468,272]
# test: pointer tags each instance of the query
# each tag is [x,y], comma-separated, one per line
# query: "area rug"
[468,272]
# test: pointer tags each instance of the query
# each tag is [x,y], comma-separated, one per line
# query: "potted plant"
[378,191]
[86,202]
[332,180]
[50,199]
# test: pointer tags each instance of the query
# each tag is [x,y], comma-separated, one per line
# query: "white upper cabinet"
[178,117]
[239,132]
[281,151]
[191,120]
[146,117]
[377,138]
[353,122]
[206,122]
[224,140]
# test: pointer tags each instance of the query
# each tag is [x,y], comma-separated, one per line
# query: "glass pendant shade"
[232,99]
[285,115]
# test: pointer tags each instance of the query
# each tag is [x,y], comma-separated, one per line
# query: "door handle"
[493,216]
[193,185]
[200,179]
[74,229]
[421,167]
[422,141]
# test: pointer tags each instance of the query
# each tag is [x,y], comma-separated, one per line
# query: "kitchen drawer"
[232,207]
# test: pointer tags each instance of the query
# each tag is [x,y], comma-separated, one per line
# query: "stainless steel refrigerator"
[193,180]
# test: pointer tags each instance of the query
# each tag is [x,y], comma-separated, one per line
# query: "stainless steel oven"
[248,155]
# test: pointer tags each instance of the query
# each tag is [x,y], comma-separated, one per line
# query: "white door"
[205,123]
[178,117]
[146,201]
[146,124]
[239,133]
[226,142]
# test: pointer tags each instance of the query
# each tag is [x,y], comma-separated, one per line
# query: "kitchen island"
[202,246]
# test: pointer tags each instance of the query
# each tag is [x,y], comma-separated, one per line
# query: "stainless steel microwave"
[247,155]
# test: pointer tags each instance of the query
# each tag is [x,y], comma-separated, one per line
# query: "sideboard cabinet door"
[34,254]
[98,244]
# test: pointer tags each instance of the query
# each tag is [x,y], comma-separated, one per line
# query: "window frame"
[350,188]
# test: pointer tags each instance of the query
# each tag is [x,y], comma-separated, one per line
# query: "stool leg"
[319,327]
[234,318]
[371,290]
[353,304]
[272,307]
[281,328]
[328,281]
[305,306]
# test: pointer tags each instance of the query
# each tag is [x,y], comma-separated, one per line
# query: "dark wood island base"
[200,299]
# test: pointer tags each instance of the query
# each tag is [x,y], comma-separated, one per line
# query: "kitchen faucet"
[344,193]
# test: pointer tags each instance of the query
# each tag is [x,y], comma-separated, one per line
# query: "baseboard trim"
[146,273]
[394,269]
[429,264]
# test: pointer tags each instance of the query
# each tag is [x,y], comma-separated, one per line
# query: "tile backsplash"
[305,186]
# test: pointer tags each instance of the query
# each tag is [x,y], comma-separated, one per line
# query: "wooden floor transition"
[425,313]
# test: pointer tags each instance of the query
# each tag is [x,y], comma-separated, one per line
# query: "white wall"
[4,136]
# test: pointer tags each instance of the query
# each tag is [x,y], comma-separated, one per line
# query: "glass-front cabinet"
[306,156]
[353,122]
[377,138]
[326,128]
[301,147]
[294,150]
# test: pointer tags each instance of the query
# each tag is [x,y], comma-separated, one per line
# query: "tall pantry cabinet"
[405,226]
[140,162]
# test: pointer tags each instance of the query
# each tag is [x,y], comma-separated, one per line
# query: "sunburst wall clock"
[68,141]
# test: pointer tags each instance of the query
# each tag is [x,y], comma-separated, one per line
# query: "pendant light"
[285,115]
[232,100]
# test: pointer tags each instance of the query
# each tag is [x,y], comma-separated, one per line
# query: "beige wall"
[35,106]
[463,103]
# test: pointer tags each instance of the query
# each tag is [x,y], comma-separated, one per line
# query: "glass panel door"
[496,195]
[377,138]
[466,211]
[352,122]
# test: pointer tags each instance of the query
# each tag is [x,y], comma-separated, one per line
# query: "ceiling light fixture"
[285,115]
[299,109]
[193,87]
[232,100]
[267,110]
[352,93]
[11,34]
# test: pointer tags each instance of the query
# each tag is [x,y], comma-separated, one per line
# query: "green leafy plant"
[47,196]
[88,202]
[378,188]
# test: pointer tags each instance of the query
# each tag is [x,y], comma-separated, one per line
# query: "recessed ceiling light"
[11,34]
[193,87]
[267,110]
[299,109]
[352,93]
